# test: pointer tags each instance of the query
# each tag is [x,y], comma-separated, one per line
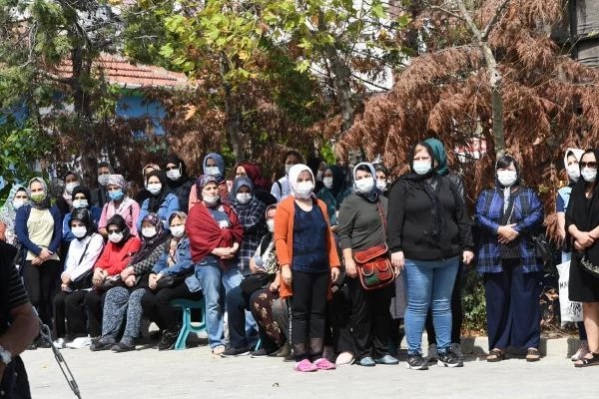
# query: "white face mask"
[304,189]
[148,232]
[71,186]
[19,203]
[319,175]
[573,172]
[210,199]
[115,238]
[365,185]
[270,224]
[80,203]
[328,182]
[79,231]
[174,174]
[288,168]
[422,167]
[178,231]
[212,170]
[243,198]
[507,178]
[381,184]
[154,188]
[589,174]
[103,180]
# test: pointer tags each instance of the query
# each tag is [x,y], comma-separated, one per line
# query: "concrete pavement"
[196,373]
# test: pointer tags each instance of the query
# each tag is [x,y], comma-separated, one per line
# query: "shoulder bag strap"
[383,219]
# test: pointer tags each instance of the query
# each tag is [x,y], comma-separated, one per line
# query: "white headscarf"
[578,153]
[294,173]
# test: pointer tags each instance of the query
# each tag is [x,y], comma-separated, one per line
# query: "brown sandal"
[586,362]
[496,355]
[533,355]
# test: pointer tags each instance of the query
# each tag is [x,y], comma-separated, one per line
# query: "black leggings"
[308,310]
[70,306]
[157,307]
[94,307]
[42,283]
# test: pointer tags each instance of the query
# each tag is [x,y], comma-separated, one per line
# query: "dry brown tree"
[550,101]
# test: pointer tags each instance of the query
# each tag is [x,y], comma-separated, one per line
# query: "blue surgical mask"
[116,195]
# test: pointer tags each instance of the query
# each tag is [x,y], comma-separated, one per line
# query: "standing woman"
[119,204]
[251,213]
[309,262]
[361,227]
[571,163]
[508,217]
[100,195]
[8,213]
[81,200]
[382,178]
[215,235]
[213,165]
[333,192]
[39,229]
[428,232]
[178,182]
[582,225]
[161,201]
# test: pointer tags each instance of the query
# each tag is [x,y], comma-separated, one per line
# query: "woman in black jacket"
[428,231]
[178,181]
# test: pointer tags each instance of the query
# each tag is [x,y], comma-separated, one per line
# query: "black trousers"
[308,311]
[15,384]
[339,312]
[370,319]
[70,306]
[457,315]
[157,307]
[513,310]
[42,283]
[94,307]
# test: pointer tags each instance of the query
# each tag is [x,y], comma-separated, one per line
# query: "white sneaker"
[581,352]
[457,350]
[432,355]
[345,359]
[81,342]
[59,343]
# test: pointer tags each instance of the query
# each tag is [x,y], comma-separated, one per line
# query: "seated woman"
[117,254]
[76,280]
[257,298]
[161,201]
[81,199]
[124,303]
[119,203]
[172,278]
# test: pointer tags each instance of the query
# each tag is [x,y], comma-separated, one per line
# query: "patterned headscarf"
[118,180]
[149,244]
[203,181]
[8,213]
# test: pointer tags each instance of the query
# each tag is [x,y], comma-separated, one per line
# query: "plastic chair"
[187,327]
[258,345]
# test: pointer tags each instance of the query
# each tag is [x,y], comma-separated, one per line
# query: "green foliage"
[473,302]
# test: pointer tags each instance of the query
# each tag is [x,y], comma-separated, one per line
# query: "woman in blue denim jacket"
[176,266]
[161,201]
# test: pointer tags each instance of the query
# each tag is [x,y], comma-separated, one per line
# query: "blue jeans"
[429,284]
[213,279]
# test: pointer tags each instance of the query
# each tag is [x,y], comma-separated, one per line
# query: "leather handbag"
[374,266]
[254,282]
[588,266]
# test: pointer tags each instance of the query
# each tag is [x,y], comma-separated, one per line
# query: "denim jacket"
[183,266]
[167,208]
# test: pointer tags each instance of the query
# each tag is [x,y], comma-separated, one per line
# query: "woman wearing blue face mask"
[119,204]
[8,213]
[81,199]
[428,232]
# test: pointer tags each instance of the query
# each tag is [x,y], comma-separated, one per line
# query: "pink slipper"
[305,366]
[324,364]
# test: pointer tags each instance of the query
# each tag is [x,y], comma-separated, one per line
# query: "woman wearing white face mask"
[362,227]
[172,278]
[84,251]
[8,213]
[333,192]
[508,217]
[215,235]
[212,165]
[81,199]
[428,232]
[179,183]
[161,201]
[309,262]
[250,211]
[281,189]
[71,180]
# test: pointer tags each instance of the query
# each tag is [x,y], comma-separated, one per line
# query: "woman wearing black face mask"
[582,221]
[84,251]
[508,217]
[178,181]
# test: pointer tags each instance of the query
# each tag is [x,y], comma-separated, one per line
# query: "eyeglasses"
[588,164]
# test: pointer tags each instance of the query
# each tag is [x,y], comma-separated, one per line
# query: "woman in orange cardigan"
[309,264]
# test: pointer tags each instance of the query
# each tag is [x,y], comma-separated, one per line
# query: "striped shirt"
[16,292]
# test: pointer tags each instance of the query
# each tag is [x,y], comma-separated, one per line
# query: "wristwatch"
[5,356]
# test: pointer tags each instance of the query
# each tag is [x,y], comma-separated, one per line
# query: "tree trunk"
[234,119]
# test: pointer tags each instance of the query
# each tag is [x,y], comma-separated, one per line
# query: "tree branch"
[446,11]
[494,19]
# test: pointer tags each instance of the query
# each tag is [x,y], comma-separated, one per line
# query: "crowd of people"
[322,267]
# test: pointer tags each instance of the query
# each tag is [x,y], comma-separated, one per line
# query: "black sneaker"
[259,353]
[168,340]
[417,362]
[449,359]
[100,345]
[232,352]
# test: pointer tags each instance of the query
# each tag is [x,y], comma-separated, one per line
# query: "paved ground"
[195,373]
